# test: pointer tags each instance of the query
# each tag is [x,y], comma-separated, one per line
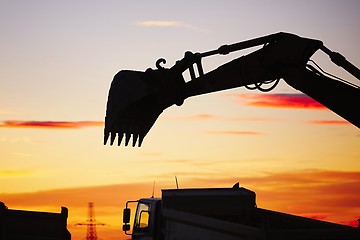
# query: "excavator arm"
[136,99]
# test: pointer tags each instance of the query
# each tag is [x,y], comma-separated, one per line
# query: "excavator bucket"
[131,108]
[135,101]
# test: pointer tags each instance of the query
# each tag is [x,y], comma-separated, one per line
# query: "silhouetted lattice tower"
[91,223]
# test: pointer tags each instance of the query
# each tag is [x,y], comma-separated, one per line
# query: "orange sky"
[325,195]
[58,59]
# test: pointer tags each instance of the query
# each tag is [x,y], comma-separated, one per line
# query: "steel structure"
[91,223]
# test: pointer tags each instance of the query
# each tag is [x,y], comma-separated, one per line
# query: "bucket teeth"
[137,138]
[112,137]
[141,138]
[127,138]
[106,136]
[120,137]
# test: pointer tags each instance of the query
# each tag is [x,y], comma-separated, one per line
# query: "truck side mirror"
[126,215]
[126,227]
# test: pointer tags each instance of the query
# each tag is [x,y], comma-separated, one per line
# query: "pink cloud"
[278,100]
[203,117]
[330,122]
[50,124]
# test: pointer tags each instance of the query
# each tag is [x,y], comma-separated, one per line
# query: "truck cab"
[147,219]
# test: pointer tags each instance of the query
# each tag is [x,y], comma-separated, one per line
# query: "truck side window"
[142,216]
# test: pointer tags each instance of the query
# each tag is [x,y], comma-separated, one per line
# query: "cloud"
[289,101]
[167,24]
[203,117]
[50,124]
[329,122]
[284,100]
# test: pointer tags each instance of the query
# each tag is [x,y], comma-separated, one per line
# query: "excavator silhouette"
[136,99]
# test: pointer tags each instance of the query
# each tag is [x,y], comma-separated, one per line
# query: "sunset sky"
[57,62]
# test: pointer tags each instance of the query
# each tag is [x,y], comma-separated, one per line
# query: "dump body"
[231,213]
[31,225]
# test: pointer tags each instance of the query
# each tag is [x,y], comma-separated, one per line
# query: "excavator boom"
[136,99]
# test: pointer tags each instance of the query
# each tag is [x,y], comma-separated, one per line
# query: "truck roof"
[215,200]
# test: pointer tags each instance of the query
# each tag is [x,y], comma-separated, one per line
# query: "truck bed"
[198,214]
[185,225]
[31,225]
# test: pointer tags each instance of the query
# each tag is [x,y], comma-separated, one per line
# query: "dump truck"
[222,214]
[32,225]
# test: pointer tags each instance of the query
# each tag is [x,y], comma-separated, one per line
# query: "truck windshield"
[142,216]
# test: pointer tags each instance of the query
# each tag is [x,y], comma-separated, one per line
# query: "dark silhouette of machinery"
[91,223]
[136,99]
[23,224]
[222,213]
